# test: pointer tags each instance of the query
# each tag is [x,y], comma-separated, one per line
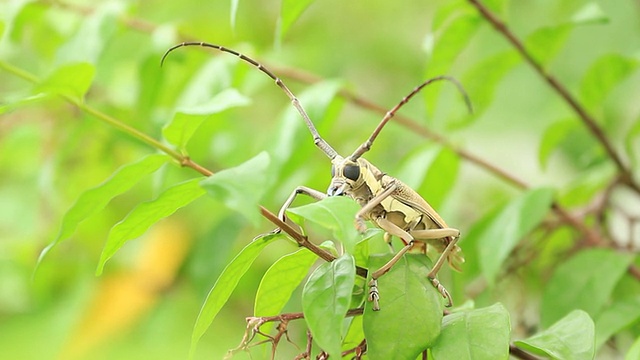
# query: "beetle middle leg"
[315,194]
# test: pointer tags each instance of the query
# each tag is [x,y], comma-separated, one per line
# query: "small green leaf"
[590,13]
[242,187]
[279,282]
[325,300]
[585,281]
[226,283]
[410,315]
[615,317]
[335,213]
[188,119]
[290,11]
[89,40]
[631,143]
[148,213]
[571,338]
[71,80]
[476,334]
[93,200]
[634,351]
[25,101]
[515,221]
[607,72]
[553,136]
[545,43]
[233,13]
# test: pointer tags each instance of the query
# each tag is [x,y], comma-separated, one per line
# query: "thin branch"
[582,113]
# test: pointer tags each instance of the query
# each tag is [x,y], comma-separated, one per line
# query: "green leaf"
[515,221]
[188,119]
[590,13]
[607,72]
[325,300]
[25,101]
[476,334]
[89,40]
[634,351]
[242,187]
[553,136]
[290,11]
[431,171]
[94,200]
[279,282]
[226,283]
[631,142]
[481,84]
[233,13]
[148,213]
[585,281]
[410,315]
[615,317]
[571,338]
[72,80]
[335,213]
[545,43]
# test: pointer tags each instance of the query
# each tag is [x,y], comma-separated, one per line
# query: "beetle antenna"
[366,146]
[317,139]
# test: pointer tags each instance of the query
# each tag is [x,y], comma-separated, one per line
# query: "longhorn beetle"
[386,201]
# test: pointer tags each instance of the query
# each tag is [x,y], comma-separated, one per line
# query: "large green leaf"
[72,80]
[571,338]
[515,221]
[607,72]
[585,281]
[410,315]
[325,300]
[336,213]
[148,213]
[474,335]
[242,187]
[189,118]
[226,283]
[280,280]
[93,200]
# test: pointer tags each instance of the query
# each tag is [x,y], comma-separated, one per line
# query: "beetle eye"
[352,172]
[333,171]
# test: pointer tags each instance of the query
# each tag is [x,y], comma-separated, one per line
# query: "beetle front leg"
[317,195]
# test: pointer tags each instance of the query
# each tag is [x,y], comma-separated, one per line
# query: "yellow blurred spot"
[122,299]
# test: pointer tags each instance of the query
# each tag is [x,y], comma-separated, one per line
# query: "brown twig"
[520,354]
[582,113]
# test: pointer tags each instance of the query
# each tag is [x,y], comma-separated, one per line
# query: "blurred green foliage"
[77,77]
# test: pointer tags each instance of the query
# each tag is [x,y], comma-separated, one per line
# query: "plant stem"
[582,113]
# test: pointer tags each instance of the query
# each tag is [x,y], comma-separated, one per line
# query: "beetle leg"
[432,234]
[318,195]
[392,229]
[375,201]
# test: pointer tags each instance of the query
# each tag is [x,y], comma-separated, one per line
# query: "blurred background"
[146,301]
